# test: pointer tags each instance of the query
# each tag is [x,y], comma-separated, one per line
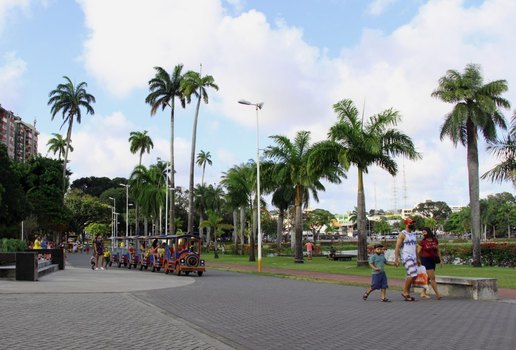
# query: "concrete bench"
[476,288]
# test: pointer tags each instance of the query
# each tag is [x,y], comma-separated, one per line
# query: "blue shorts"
[379,281]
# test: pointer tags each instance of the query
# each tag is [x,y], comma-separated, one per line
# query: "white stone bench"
[476,288]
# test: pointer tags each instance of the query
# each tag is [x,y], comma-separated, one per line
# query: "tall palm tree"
[203,158]
[58,145]
[504,149]
[149,190]
[217,226]
[164,88]
[477,108]
[239,182]
[140,142]
[194,84]
[363,144]
[293,165]
[70,99]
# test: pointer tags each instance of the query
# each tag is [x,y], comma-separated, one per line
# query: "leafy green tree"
[293,164]
[42,180]
[140,142]
[215,222]
[86,210]
[363,144]
[438,210]
[505,150]
[193,84]
[477,108]
[317,219]
[164,88]
[459,222]
[14,206]
[498,213]
[57,145]
[69,99]
[95,186]
[95,229]
[382,226]
[203,158]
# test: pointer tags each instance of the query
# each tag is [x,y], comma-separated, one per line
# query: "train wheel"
[199,273]
[187,273]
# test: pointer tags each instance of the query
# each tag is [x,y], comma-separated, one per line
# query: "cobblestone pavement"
[224,310]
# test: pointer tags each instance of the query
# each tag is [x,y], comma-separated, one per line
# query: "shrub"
[10,245]
[501,254]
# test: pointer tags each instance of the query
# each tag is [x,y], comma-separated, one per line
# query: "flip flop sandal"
[408,297]
[385,300]
[364,297]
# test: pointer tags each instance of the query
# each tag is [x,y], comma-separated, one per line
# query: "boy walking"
[378,277]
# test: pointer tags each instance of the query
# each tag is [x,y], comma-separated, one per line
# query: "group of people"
[411,254]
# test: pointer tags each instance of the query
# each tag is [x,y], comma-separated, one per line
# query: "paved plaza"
[79,308]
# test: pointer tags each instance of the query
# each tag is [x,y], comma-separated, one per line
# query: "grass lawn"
[506,277]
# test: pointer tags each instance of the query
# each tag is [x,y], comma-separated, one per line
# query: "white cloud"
[253,59]
[11,71]
[377,7]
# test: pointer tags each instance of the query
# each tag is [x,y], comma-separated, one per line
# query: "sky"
[298,57]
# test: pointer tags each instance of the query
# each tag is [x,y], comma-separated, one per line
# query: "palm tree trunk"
[474,189]
[279,228]
[298,248]
[172,224]
[201,219]
[235,229]
[361,222]
[192,162]
[242,228]
[68,140]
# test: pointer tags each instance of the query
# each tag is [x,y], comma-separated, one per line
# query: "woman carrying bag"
[428,255]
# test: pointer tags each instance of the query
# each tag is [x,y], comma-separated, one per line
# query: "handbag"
[421,278]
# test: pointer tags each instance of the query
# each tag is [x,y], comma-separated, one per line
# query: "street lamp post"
[126,213]
[258,106]
[113,224]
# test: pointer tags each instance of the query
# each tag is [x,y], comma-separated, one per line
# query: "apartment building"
[20,137]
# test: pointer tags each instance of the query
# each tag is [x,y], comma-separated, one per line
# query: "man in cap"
[407,244]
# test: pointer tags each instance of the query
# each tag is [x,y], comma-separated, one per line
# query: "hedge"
[10,245]
[491,254]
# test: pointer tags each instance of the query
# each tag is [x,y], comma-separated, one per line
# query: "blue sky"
[298,57]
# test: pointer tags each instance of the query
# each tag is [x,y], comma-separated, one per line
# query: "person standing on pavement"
[407,243]
[428,254]
[378,278]
[98,246]
[309,248]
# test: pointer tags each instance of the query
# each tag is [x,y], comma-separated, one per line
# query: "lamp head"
[244,102]
[259,105]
